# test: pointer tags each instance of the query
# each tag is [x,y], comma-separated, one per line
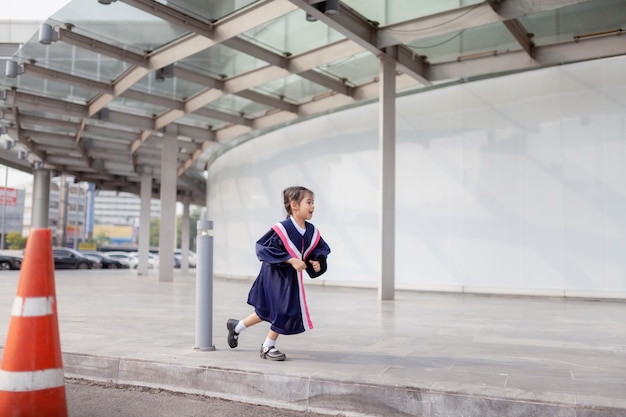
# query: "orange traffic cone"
[32,382]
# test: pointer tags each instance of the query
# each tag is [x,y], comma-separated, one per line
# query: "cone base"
[48,403]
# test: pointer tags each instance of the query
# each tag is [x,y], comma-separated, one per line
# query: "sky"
[31,9]
[26,10]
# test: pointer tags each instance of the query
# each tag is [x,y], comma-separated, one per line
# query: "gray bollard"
[204,286]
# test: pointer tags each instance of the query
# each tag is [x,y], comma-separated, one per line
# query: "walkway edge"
[328,396]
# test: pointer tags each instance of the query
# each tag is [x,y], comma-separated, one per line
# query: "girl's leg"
[271,339]
[268,349]
[235,327]
[251,320]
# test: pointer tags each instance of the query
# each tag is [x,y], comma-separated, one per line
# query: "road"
[92,399]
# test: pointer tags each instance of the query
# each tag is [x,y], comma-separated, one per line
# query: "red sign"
[11,196]
[73,232]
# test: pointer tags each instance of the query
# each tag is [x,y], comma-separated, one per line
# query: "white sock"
[269,343]
[240,327]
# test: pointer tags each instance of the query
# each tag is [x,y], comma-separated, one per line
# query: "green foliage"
[15,240]
[154,231]
[194,216]
[103,239]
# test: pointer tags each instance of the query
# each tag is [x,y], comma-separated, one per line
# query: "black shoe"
[232,334]
[272,354]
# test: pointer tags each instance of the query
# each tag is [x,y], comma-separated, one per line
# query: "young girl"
[277,295]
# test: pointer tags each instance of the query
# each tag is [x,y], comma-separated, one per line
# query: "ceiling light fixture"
[331,7]
[13,69]
[162,73]
[617,31]
[477,55]
[47,34]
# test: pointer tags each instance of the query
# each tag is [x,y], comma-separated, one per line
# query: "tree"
[15,240]
[155,225]
[194,215]
[103,239]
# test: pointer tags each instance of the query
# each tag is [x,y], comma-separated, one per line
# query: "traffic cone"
[32,382]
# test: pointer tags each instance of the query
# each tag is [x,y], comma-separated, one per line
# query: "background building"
[11,211]
[113,208]
[67,212]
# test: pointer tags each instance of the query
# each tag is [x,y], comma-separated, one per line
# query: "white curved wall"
[515,185]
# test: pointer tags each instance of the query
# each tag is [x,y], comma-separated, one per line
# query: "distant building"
[67,211]
[113,208]
[72,214]
[11,211]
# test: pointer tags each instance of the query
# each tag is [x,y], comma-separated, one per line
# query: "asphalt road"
[93,399]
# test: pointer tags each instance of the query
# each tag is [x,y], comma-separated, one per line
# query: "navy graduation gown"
[278,294]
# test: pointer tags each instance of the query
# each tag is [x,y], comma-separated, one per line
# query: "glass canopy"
[109,81]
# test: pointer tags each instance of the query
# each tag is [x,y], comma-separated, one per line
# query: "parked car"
[127,258]
[105,261]
[153,260]
[178,255]
[66,258]
[8,262]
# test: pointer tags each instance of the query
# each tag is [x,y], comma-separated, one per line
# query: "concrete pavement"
[423,354]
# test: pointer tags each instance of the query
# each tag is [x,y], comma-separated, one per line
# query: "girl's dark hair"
[297,194]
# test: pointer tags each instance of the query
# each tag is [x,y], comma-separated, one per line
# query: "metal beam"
[153,99]
[544,56]
[331,83]
[364,32]
[268,101]
[521,35]
[256,51]
[220,115]
[463,18]
[49,74]
[96,46]
[176,17]
[197,78]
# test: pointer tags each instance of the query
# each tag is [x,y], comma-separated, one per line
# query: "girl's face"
[304,209]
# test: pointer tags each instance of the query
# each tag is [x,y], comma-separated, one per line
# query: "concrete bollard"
[204,286]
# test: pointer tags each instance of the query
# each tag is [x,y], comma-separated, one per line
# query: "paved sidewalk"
[423,354]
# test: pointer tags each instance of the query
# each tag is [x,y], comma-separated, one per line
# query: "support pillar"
[145,196]
[167,226]
[184,236]
[387,140]
[41,199]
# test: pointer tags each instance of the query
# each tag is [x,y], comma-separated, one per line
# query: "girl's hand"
[316,265]
[297,264]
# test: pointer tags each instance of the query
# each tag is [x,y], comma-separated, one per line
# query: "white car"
[178,254]
[153,260]
[127,258]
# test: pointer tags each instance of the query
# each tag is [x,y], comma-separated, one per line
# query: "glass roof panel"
[495,38]
[357,70]
[294,88]
[48,115]
[118,24]
[146,107]
[292,34]
[234,104]
[138,108]
[563,24]
[207,9]
[204,122]
[52,89]
[388,12]
[175,88]
[72,60]
[220,60]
